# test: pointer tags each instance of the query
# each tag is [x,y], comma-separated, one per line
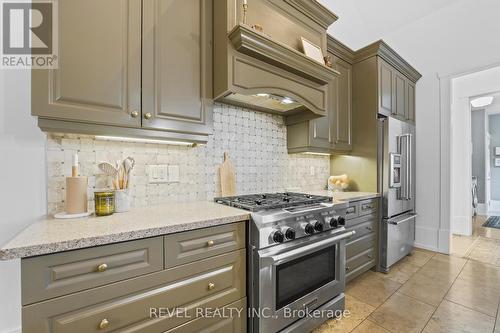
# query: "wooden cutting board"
[227,177]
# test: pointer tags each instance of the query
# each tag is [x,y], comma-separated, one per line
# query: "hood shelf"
[258,45]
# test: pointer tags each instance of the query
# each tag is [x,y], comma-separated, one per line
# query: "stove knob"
[278,236]
[334,222]
[341,220]
[290,233]
[309,229]
[318,226]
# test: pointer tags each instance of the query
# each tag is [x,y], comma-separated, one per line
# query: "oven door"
[298,276]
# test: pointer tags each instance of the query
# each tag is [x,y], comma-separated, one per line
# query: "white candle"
[74,166]
[75,160]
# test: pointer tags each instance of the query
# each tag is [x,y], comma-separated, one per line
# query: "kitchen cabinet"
[138,277]
[332,133]
[139,69]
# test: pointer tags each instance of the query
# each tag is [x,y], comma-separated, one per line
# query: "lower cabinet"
[207,295]
[361,250]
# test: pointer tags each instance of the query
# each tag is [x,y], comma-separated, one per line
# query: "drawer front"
[140,304]
[353,223]
[363,229]
[359,270]
[232,319]
[359,245]
[368,207]
[352,211]
[63,273]
[360,260]
[186,247]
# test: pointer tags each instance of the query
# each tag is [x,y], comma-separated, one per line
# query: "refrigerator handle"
[406,191]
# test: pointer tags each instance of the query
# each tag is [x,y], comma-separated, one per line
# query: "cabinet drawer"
[139,304]
[353,273]
[359,260]
[352,211]
[235,322]
[363,229]
[63,273]
[353,223]
[359,245]
[368,207]
[194,245]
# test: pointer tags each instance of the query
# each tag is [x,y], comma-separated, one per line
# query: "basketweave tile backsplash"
[255,141]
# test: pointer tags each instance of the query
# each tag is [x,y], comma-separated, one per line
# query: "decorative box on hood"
[258,61]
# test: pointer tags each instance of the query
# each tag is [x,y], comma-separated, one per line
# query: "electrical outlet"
[158,174]
[311,171]
[173,173]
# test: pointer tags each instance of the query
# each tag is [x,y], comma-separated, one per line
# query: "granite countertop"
[49,235]
[346,196]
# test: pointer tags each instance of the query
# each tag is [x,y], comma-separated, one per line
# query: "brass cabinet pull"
[148,115]
[134,114]
[369,228]
[210,243]
[104,324]
[211,286]
[102,267]
[347,268]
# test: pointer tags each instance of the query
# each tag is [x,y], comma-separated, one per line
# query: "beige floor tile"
[443,267]
[420,256]
[497,326]
[474,295]
[402,314]
[369,326]
[454,318]
[427,289]
[487,251]
[372,289]
[461,245]
[358,311]
[488,276]
[401,271]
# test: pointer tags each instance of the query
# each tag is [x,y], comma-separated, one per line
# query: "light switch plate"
[173,173]
[158,174]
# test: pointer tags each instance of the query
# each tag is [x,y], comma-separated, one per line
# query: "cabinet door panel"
[177,65]
[385,89]
[410,108]
[320,132]
[341,121]
[99,74]
[399,95]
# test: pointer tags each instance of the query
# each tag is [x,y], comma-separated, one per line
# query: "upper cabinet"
[332,133]
[395,83]
[138,69]
[258,58]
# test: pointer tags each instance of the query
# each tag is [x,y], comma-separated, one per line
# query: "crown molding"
[315,11]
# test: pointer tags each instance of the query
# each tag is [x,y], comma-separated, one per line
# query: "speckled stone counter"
[51,235]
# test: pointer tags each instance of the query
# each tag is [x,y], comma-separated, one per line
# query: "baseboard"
[426,238]
[426,247]
[10,330]
[481,209]
[494,207]
[461,225]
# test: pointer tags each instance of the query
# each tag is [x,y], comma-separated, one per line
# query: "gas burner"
[265,201]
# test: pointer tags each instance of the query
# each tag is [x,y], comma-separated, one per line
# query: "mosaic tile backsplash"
[256,143]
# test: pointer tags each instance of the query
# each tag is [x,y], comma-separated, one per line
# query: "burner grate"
[257,202]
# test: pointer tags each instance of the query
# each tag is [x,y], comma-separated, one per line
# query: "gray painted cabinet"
[113,287]
[139,65]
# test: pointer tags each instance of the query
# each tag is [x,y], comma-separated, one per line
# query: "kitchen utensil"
[128,164]
[227,177]
[104,203]
[110,170]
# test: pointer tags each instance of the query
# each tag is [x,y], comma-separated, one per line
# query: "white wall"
[22,183]
[438,44]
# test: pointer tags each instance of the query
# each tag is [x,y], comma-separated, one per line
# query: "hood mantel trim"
[255,44]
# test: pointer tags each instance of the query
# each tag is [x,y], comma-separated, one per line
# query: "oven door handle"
[301,251]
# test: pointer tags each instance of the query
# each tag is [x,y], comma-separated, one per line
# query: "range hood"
[254,70]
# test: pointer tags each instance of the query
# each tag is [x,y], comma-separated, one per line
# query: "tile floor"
[430,292]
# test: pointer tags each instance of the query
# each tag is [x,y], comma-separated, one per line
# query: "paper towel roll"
[76,195]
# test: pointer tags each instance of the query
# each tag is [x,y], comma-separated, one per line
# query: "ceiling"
[362,22]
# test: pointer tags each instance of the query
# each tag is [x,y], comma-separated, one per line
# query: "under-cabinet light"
[141,140]
[313,153]
[287,100]
[482,101]
[263,95]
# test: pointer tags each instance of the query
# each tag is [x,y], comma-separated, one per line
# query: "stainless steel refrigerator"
[396,159]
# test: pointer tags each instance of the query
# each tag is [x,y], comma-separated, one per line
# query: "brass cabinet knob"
[134,114]
[210,243]
[347,268]
[369,228]
[102,268]
[148,115]
[104,324]
[211,286]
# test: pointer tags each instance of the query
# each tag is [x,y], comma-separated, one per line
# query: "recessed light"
[482,101]
[262,95]
[287,100]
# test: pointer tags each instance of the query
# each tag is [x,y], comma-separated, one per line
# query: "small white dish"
[64,215]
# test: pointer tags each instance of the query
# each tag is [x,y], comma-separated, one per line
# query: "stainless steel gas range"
[296,260]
